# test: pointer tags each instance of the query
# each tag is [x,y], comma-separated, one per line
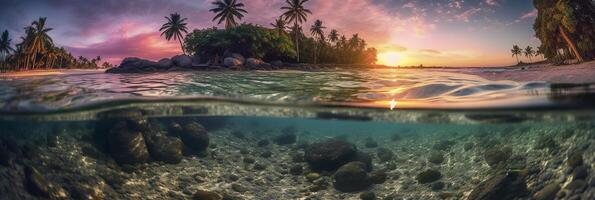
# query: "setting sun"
[389,58]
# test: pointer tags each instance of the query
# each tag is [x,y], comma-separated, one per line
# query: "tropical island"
[565,34]
[215,102]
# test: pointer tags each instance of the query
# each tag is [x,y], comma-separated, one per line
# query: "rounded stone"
[329,155]
[351,177]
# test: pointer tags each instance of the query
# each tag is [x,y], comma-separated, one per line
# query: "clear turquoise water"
[52,124]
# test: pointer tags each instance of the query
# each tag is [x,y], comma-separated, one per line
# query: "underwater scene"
[367,135]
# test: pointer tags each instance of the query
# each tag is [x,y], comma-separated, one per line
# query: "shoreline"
[47,72]
[574,73]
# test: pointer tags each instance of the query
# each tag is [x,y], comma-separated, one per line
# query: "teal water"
[376,134]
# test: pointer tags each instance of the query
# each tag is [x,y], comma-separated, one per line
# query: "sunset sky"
[428,32]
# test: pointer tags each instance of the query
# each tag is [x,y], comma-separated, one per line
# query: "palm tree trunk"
[182,46]
[297,44]
[570,44]
[517,59]
[315,53]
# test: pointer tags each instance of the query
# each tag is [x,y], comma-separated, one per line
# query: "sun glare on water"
[389,59]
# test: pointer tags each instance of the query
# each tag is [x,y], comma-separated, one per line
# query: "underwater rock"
[238,188]
[259,167]
[296,170]
[312,176]
[367,196]
[576,186]
[266,154]
[428,176]
[436,158]
[127,146]
[384,154]
[35,183]
[285,139]
[436,186]
[547,142]
[351,177]
[504,185]
[364,158]
[206,195]
[378,177]
[329,155]
[580,173]
[548,192]
[370,143]
[443,145]
[249,160]
[6,156]
[496,157]
[575,159]
[195,137]
[175,129]
[167,149]
[263,143]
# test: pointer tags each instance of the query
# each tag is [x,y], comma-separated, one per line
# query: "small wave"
[412,89]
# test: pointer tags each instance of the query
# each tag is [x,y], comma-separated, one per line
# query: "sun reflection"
[389,59]
[393,104]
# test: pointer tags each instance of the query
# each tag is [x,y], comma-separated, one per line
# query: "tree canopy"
[566,28]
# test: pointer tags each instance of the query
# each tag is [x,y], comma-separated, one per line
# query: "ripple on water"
[363,86]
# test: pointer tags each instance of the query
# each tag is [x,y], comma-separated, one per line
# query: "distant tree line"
[566,29]
[38,51]
[269,44]
[528,52]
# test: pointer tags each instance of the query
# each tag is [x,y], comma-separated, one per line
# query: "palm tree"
[333,36]
[5,47]
[540,51]
[529,52]
[296,13]
[317,32]
[40,40]
[516,51]
[174,27]
[280,25]
[228,11]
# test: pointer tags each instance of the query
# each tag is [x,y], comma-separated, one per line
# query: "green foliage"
[228,11]
[267,44]
[174,27]
[37,51]
[246,39]
[575,18]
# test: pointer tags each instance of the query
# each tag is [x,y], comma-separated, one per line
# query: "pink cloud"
[491,2]
[467,14]
[531,14]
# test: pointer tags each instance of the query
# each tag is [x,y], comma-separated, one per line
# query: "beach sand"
[578,73]
[50,72]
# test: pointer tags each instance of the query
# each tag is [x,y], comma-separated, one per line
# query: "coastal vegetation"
[296,13]
[228,11]
[566,29]
[38,51]
[213,45]
[174,27]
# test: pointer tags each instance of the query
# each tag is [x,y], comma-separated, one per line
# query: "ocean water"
[373,134]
